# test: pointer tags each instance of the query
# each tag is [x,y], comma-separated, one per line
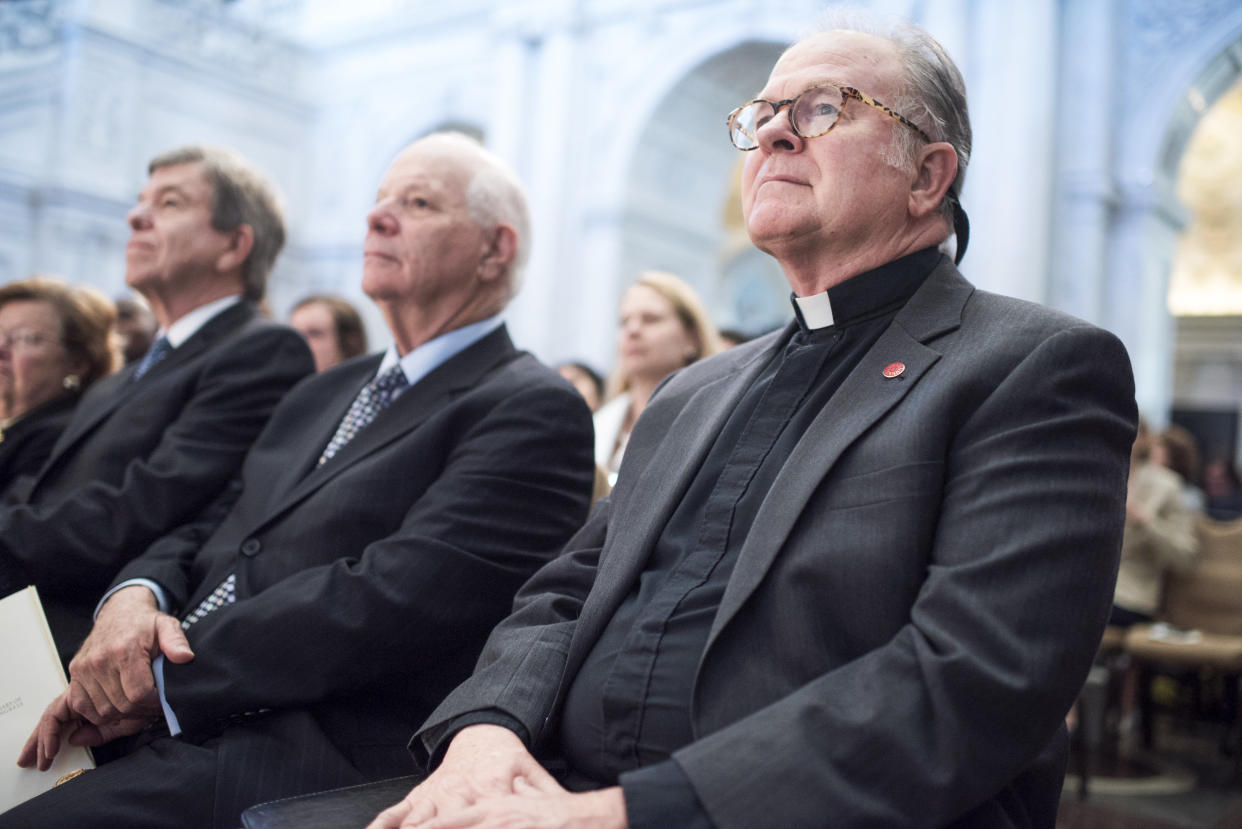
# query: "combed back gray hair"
[494,197]
[934,95]
[240,195]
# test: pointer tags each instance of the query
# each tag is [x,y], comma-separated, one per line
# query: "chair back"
[1209,596]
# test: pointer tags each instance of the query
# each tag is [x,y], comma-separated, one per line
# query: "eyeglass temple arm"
[851,92]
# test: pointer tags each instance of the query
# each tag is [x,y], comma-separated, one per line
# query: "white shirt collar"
[188,325]
[816,310]
[432,354]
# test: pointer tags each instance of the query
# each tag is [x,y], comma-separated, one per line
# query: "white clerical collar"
[816,310]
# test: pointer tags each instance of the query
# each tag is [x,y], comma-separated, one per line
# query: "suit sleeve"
[514,487]
[78,543]
[28,457]
[168,561]
[969,692]
[519,670]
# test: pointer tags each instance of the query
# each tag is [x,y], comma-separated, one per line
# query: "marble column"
[1008,192]
[1084,198]
[541,123]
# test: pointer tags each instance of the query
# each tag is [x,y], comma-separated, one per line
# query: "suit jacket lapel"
[422,400]
[98,402]
[110,392]
[185,352]
[332,409]
[659,490]
[863,398]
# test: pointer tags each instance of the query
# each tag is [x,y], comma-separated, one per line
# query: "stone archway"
[680,188]
[1205,291]
[1134,81]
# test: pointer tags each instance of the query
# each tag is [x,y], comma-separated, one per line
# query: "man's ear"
[936,169]
[241,242]
[499,254]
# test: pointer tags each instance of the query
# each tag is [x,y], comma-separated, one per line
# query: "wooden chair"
[1202,619]
[1091,708]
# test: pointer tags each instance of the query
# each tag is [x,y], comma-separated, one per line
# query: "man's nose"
[139,216]
[778,133]
[380,219]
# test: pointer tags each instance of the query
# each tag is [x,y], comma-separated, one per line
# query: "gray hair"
[934,95]
[240,195]
[494,197]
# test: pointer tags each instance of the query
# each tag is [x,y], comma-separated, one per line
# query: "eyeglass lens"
[812,113]
[23,338]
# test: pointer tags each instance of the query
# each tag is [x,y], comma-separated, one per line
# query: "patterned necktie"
[158,351]
[373,399]
[226,593]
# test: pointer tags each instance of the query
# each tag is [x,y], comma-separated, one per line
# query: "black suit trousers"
[174,782]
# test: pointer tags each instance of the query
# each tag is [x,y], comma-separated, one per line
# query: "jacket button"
[251,547]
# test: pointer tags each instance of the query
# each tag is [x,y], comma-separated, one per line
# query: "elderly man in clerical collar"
[853,573]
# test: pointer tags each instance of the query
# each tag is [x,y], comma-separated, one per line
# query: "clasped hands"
[489,780]
[111,689]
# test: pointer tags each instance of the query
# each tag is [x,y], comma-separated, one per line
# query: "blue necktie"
[158,351]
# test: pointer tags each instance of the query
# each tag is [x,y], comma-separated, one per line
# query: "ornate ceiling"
[1207,270]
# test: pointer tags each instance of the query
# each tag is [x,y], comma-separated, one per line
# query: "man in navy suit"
[853,573]
[152,445]
[294,636]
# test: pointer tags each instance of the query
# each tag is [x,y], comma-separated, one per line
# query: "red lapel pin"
[893,370]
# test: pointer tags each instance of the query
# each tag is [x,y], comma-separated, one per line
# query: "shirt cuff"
[161,597]
[661,795]
[157,669]
[488,716]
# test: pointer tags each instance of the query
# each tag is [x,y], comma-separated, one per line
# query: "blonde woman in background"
[1159,536]
[663,327]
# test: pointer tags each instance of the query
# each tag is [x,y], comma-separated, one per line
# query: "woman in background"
[663,327]
[1175,448]
[1222,489]
[1159,535]
[332,327]
[55,341]
[586,380]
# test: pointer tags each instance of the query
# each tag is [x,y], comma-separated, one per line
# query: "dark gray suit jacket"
[139,459]
[367,586]
[918,600]
[26,444]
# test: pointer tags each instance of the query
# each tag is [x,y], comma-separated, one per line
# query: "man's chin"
[138,279]
[773,242]
[382,285]
[769,228]
[381,295]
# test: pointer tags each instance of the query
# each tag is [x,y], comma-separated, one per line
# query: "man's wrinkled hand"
[482,761]
[110,679]
[59,723]
[531,808]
